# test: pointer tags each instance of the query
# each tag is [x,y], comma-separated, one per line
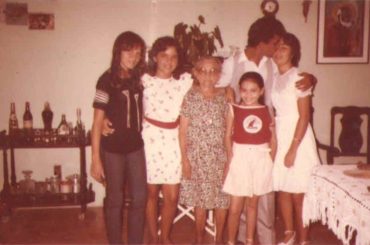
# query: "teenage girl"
[120,155]
[164,88]
[297,153]
[250,143]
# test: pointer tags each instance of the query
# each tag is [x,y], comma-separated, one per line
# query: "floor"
[63,226]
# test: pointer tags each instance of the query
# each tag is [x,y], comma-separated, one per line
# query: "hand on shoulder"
[308,81]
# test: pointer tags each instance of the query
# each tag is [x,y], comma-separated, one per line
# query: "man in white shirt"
[263,40]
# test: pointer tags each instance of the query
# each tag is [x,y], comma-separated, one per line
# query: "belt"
[166,125]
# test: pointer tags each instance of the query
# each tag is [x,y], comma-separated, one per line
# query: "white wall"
[61,66]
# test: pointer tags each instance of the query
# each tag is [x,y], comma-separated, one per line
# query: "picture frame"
[16,13]
[343,32]
[41,21]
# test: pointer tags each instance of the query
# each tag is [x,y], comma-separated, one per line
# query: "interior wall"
[62,65]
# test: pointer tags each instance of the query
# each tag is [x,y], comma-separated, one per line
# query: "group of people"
[210,139]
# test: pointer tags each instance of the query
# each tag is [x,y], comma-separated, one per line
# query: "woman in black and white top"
[119,155]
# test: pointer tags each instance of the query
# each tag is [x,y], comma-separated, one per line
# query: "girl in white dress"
[164,88]
[296,153]
[249,136]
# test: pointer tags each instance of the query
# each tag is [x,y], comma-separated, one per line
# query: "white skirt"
[250,171]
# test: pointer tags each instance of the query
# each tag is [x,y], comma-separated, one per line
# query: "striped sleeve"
[101,97]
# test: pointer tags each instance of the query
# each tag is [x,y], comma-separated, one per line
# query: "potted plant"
[196,43]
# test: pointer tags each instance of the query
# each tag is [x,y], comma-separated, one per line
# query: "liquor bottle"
[58,171]
[13,121]
[63,128]
[79,124]
[27,117]
[47,117]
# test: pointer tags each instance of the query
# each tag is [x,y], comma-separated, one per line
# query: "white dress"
[162,102]
[284,98]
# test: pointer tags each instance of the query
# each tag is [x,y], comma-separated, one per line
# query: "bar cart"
[11,196]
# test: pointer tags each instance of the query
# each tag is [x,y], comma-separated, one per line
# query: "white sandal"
[291,240]
[305,243]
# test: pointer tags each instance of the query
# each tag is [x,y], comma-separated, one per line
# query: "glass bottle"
[58,171]
[27,185]
[79,124]
[63,128]
[47,117]
[13,121]
[76,183]
[27,117]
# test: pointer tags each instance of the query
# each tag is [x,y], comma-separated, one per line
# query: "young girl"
[296,154]
[249,137]
[164,89]
[119,155]
[203,154]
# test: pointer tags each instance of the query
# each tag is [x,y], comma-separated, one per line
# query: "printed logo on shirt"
[252,124]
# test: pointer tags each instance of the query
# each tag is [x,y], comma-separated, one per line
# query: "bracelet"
[296,139]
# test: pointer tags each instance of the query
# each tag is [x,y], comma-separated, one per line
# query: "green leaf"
[217,35]
[186,43]
[199,46]
[195,31]
[180,29]
[211,47]
[194,42]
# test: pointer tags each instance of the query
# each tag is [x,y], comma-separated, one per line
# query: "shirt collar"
[243,58]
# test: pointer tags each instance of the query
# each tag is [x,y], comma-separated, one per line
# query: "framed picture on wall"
[16,13]
[40,21]
[343,32]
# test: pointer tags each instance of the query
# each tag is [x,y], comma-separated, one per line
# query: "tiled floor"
[62,226]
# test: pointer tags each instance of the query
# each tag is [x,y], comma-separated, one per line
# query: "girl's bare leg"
[286,207]
[169,208]
[152,212]
[251,209]
[298,207]
[200,224]
[220,214]
[235,209]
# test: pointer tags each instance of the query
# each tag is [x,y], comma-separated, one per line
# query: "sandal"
[248,241]
[291,239]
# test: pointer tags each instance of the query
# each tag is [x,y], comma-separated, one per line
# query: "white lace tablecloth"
[339,201]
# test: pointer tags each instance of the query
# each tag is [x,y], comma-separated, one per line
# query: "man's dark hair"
[263,30]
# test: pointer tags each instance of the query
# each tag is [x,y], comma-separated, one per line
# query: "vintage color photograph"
[169,122]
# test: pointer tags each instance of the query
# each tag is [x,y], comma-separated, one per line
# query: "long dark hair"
[124,42]
[160,45]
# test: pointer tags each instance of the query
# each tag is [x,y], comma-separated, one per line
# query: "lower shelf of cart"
[50,199]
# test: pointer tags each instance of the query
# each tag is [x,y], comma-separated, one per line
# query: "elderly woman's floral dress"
[205,150]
